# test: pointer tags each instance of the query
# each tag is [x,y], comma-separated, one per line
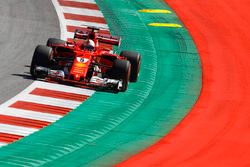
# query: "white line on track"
[60,15]
[16,130]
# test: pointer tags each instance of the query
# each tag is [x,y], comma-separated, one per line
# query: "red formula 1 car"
[83,62]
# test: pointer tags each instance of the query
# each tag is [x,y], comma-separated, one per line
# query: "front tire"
[41,57]
[135,59]
[121,70]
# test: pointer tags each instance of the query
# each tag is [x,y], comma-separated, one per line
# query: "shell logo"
[80,65]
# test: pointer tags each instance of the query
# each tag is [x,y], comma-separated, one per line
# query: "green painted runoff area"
[109,128]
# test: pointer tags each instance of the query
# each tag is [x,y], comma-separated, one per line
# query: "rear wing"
[109,39]
[93,34]
[80,34]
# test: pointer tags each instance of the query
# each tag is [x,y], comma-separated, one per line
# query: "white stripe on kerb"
[51,101]
[80,11]
[63,88]
[69,34]
[25,96]
[30,114]
[16,130]
[3,144]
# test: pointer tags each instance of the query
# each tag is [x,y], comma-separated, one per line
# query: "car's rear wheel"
[135,59]
[121,71]
[41,57]
[55,41]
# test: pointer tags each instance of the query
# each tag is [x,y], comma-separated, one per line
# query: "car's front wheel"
[41,57]
[135,59]
[121,71]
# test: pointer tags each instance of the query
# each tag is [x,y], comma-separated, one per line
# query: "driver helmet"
[90,45]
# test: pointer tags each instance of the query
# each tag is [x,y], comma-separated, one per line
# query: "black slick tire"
[135,59]
[121,70]
[41,57]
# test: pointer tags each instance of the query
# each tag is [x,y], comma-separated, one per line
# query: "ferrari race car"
[82,62]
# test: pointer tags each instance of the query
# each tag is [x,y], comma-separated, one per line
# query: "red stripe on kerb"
[30,123]
[9,138]
[59,94]
[40,108]
[78,4]
[73,28]
[84,18]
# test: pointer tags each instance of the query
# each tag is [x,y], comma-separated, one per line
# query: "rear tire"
[55,41]
[121,71]
[135,59]
[41,57]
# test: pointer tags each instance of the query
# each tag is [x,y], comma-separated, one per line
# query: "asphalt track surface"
[216,132]
[24,24]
